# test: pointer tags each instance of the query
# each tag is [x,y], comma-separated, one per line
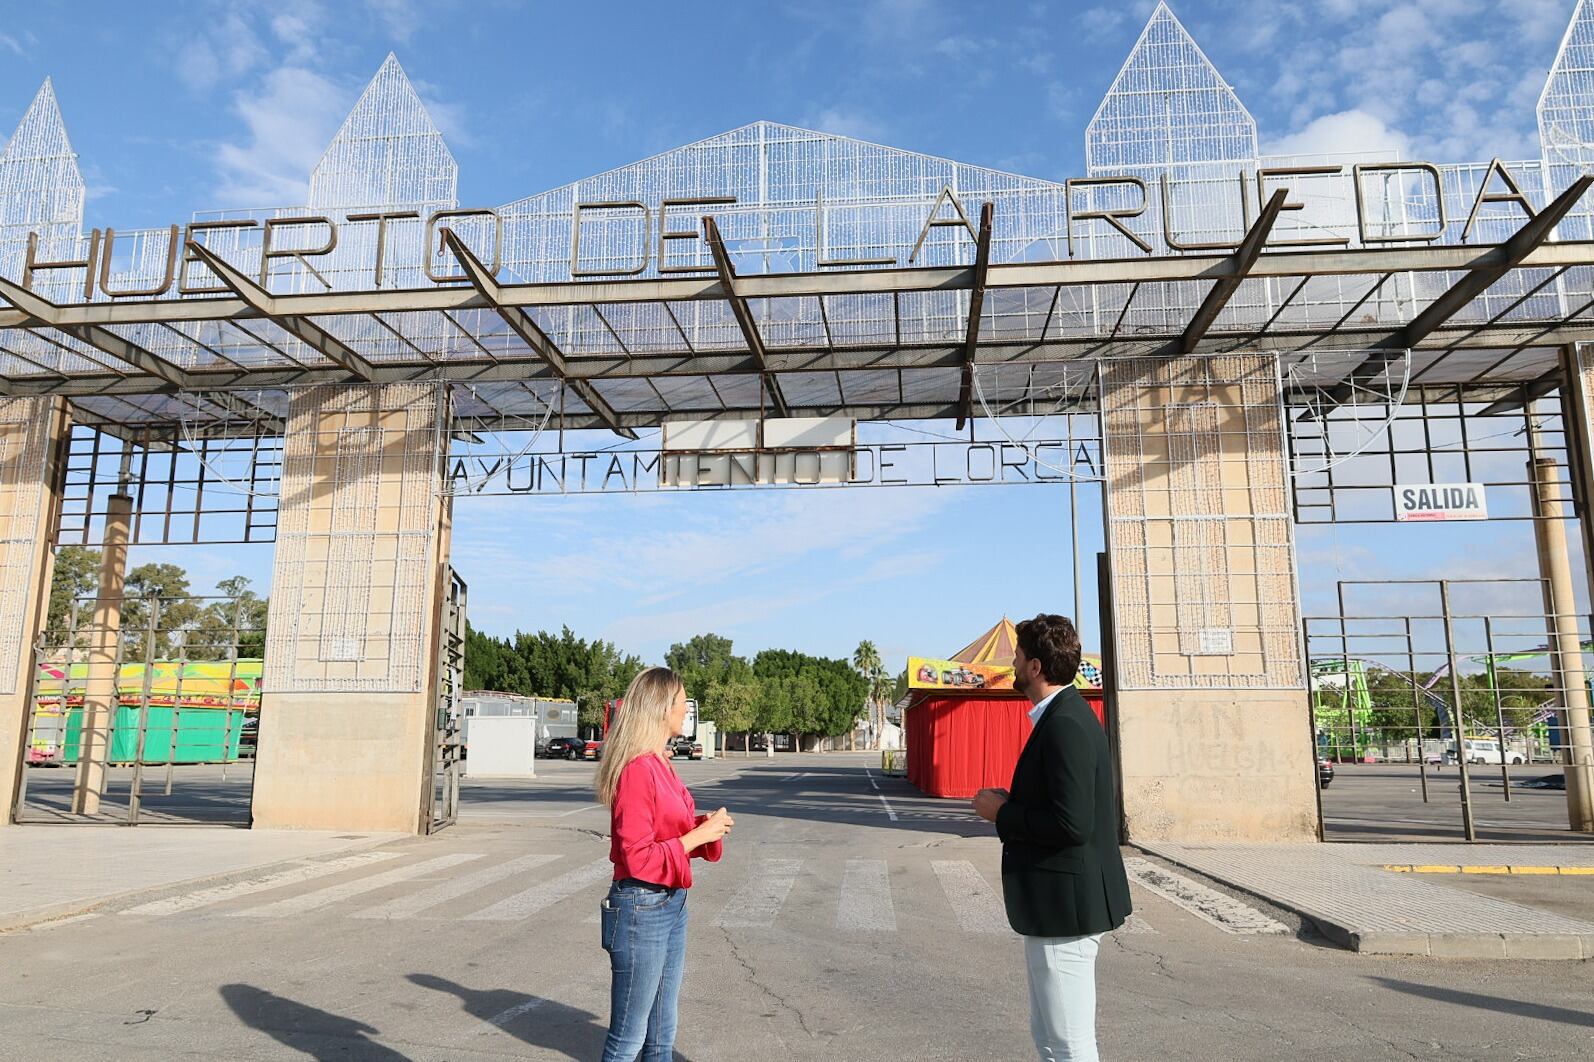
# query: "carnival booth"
[965,723]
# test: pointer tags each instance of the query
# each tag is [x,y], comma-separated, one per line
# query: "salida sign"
[1440,501]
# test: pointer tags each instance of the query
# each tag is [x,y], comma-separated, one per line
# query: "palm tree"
[866,658]
[884,687]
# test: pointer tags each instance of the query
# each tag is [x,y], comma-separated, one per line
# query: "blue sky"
[200,106]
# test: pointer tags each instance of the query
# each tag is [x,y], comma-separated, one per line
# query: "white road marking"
[232,890]
[529,902]
[491,813]
[87,916]
[865,902]
[311,901]
[975,904]
[1225,912]
[759,900]
[415,902]
[882,797]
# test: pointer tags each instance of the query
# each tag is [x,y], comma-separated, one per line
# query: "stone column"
[33,434]
[346,716]
[1213,723]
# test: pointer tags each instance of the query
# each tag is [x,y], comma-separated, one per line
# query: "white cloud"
[843,121]
[401,17]
[290,119]
[1353,131]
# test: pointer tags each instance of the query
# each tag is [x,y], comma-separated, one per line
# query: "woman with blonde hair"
[655,831]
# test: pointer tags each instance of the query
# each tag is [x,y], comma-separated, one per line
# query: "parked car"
[685,746]
[1487,750]
[1325,772]
[248,737]
[594,751]
[569,748]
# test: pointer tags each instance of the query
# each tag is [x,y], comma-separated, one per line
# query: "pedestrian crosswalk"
[855,896]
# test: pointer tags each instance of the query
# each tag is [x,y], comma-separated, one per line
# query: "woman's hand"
[714,827]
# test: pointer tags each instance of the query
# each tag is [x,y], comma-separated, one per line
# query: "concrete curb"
[1509,868]
[1558,946]
[32,916]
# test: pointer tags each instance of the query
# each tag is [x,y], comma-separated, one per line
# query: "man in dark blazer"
[1062,875]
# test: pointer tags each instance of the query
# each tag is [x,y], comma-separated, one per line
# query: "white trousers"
[1062,996]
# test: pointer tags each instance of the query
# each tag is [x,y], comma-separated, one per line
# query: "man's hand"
[987,802]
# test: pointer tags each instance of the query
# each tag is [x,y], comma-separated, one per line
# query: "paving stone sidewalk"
[1345,890]
[49,872]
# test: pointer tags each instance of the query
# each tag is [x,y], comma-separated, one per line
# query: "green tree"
[550,665]
[866,658]
[76,576]
[732,705]
[831,711]
[239,616]
[145,585]
[704,660]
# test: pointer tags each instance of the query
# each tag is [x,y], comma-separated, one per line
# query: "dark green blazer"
[1062,874]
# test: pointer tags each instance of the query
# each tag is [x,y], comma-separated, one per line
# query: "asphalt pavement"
[850,919]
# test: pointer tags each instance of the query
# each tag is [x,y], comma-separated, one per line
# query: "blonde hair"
[638,727]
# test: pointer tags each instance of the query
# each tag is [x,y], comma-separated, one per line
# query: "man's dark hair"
[1054,642]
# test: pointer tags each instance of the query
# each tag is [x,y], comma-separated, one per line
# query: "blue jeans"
[644,933]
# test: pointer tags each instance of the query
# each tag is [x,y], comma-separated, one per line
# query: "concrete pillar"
[347,712]
[1213,723]
[1577,418]
[100,685]
[33,433]
[1556,568]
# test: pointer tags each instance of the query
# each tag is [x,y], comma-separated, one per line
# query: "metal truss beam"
[1513,252]
[1510,255]
[971,339]
[99,337]
[520,322]
[273,308]
[844,359]
[1240,265]
[1524,395]
[744,315]
[1359,261]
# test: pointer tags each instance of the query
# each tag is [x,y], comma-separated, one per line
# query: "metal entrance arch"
[784,278]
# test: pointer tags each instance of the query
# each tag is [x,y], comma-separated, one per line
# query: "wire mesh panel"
[1443,706]
[358,534]
[1198,524]
[145,709]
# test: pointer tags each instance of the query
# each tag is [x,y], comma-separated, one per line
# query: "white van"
[1487,750]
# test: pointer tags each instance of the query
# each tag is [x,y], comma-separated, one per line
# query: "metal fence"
[1443,706]
[145,710]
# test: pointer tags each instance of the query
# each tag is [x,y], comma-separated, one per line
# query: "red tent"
[960,742]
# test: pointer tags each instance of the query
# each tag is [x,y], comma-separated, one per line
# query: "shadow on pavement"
[317,1033]
[1516,1008]
[544,1023]
[799,788]
[839,795]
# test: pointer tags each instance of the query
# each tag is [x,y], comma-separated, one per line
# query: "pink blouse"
[652,811]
